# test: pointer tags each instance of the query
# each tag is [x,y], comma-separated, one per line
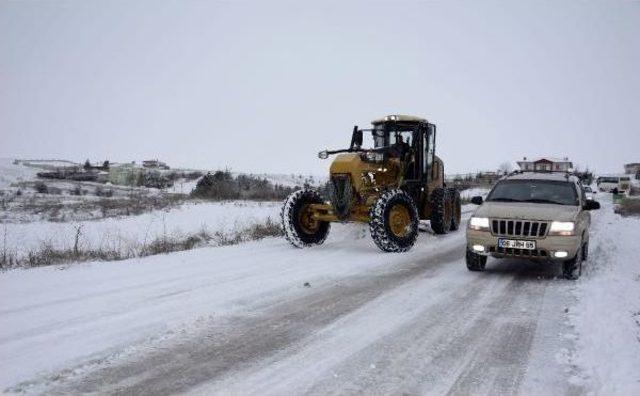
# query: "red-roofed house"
[546,164]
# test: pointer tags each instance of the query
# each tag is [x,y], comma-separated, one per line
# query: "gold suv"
[531,215]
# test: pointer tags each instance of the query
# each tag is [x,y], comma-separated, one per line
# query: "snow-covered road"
[264,318]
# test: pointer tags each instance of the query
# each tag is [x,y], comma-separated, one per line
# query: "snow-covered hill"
[11,173]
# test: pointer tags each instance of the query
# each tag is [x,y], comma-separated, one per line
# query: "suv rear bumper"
[546,248]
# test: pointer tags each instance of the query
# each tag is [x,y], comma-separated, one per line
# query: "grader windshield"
[383,137]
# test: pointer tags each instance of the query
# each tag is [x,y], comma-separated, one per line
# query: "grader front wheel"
[300,227]
[394,221]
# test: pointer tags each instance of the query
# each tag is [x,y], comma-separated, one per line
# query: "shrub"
[41,188]
[100,192]
[76,190]
[218,185]
[221,185]
[154,179]
[629,207]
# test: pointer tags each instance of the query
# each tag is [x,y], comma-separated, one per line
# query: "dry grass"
[65,208]
[629,207]
[49,255]
[203,238]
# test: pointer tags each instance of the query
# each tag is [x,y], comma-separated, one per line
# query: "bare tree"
[505,168]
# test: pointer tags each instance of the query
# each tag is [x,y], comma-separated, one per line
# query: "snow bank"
[607,316]
[472,192]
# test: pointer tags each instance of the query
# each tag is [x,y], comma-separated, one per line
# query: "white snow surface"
[607,314]
[11,173]
[123,233]
[57,317]
[72,319]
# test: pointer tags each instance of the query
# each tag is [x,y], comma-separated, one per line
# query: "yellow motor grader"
[391,185]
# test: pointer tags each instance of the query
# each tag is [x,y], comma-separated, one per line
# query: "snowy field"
[11,173]
[343,317]
[123,234]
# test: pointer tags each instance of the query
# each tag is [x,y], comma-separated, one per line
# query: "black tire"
[381,223]
[585,251]
[572,268]
[293,211]
[475,262]
[441,212]
[456,215]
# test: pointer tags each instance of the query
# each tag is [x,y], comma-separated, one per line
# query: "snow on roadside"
[607,315]
[472,192]
[88,314]
[125,233]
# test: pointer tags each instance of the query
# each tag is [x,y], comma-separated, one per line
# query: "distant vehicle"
[155,164]
[614,184]
[589,192]
[532,215]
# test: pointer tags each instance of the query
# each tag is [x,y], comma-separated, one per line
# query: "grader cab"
[391,185]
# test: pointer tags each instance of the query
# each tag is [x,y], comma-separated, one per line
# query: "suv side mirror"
[356,137]
[591,205]
[477,200]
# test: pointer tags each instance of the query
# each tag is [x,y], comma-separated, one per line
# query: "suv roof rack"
[567,174]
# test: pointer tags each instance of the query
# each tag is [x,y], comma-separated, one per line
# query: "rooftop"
[551,159]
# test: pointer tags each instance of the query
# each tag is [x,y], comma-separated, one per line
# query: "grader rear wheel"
[441,211]
[394,221]
[456,216]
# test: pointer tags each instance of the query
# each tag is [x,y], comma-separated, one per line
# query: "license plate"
[516,244]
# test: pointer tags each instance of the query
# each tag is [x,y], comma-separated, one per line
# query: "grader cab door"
[431,172]
[429,153]
[413,175]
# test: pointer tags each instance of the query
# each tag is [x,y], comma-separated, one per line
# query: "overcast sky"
[263,86]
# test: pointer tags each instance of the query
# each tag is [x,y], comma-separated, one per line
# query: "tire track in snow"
[445,347]
[235,345]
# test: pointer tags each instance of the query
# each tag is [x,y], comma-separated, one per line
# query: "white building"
[546,164]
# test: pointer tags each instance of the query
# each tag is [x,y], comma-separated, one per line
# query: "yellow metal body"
[368,179]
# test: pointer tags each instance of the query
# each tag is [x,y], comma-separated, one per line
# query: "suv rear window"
[536,191]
